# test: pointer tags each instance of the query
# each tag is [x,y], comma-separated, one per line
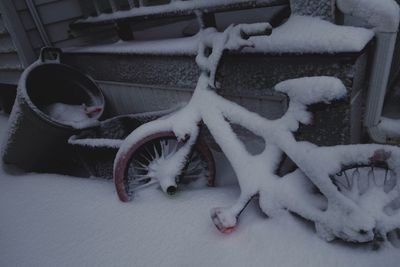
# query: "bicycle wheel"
[138,167]
[373,186]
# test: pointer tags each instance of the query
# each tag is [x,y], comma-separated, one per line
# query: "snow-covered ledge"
[383,16]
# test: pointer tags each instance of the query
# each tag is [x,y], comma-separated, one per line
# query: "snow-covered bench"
[105,12]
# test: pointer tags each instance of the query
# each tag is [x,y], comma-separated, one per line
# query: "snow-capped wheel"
[138,168]
[374,188]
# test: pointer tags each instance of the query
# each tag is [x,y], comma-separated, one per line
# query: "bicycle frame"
[294,191]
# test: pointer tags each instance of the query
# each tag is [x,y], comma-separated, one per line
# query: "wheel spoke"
[141,164]
[363,183]
[146,158]
[149,154]
[157,156]
[349,181]
[193,166]
[390,183]
[141,177]
[141,168]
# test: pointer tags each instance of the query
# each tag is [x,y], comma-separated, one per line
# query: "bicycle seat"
[311,90]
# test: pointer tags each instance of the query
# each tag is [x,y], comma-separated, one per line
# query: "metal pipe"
[38,23]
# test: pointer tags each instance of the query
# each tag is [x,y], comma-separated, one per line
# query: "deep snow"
[54,220]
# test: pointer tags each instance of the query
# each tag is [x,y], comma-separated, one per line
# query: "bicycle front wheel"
[133,170]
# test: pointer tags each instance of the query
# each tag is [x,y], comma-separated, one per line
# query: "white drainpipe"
[383,17]
[382,63]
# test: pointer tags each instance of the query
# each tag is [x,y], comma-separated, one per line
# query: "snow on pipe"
[383,16]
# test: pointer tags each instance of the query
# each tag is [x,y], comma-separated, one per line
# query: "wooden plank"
[177,8]
[10,77]
[17,32]
[21,5]
[59,33]
[34,39]
[98,38]
[10,62]
[6,44]
[44,2]
[3,29]
[52,13]
[58,11]
[60,37]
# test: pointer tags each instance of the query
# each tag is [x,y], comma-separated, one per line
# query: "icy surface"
[383,15]
[300,34]
[53,220]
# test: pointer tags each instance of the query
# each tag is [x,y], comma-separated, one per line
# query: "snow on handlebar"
[239,35]
[235,37]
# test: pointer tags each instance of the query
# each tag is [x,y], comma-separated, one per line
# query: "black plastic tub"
[35,141]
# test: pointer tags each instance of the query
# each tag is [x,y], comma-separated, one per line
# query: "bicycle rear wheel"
[135,169]
[374,187]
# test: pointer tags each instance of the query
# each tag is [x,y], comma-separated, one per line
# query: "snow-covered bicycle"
[349,191]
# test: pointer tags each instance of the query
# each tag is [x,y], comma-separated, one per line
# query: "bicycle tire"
[373,185]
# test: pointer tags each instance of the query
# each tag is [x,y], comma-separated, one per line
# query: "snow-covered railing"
[116,11]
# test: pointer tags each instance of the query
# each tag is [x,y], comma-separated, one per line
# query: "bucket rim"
[23,94]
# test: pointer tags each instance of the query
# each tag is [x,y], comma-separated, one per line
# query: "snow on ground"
[54,220]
